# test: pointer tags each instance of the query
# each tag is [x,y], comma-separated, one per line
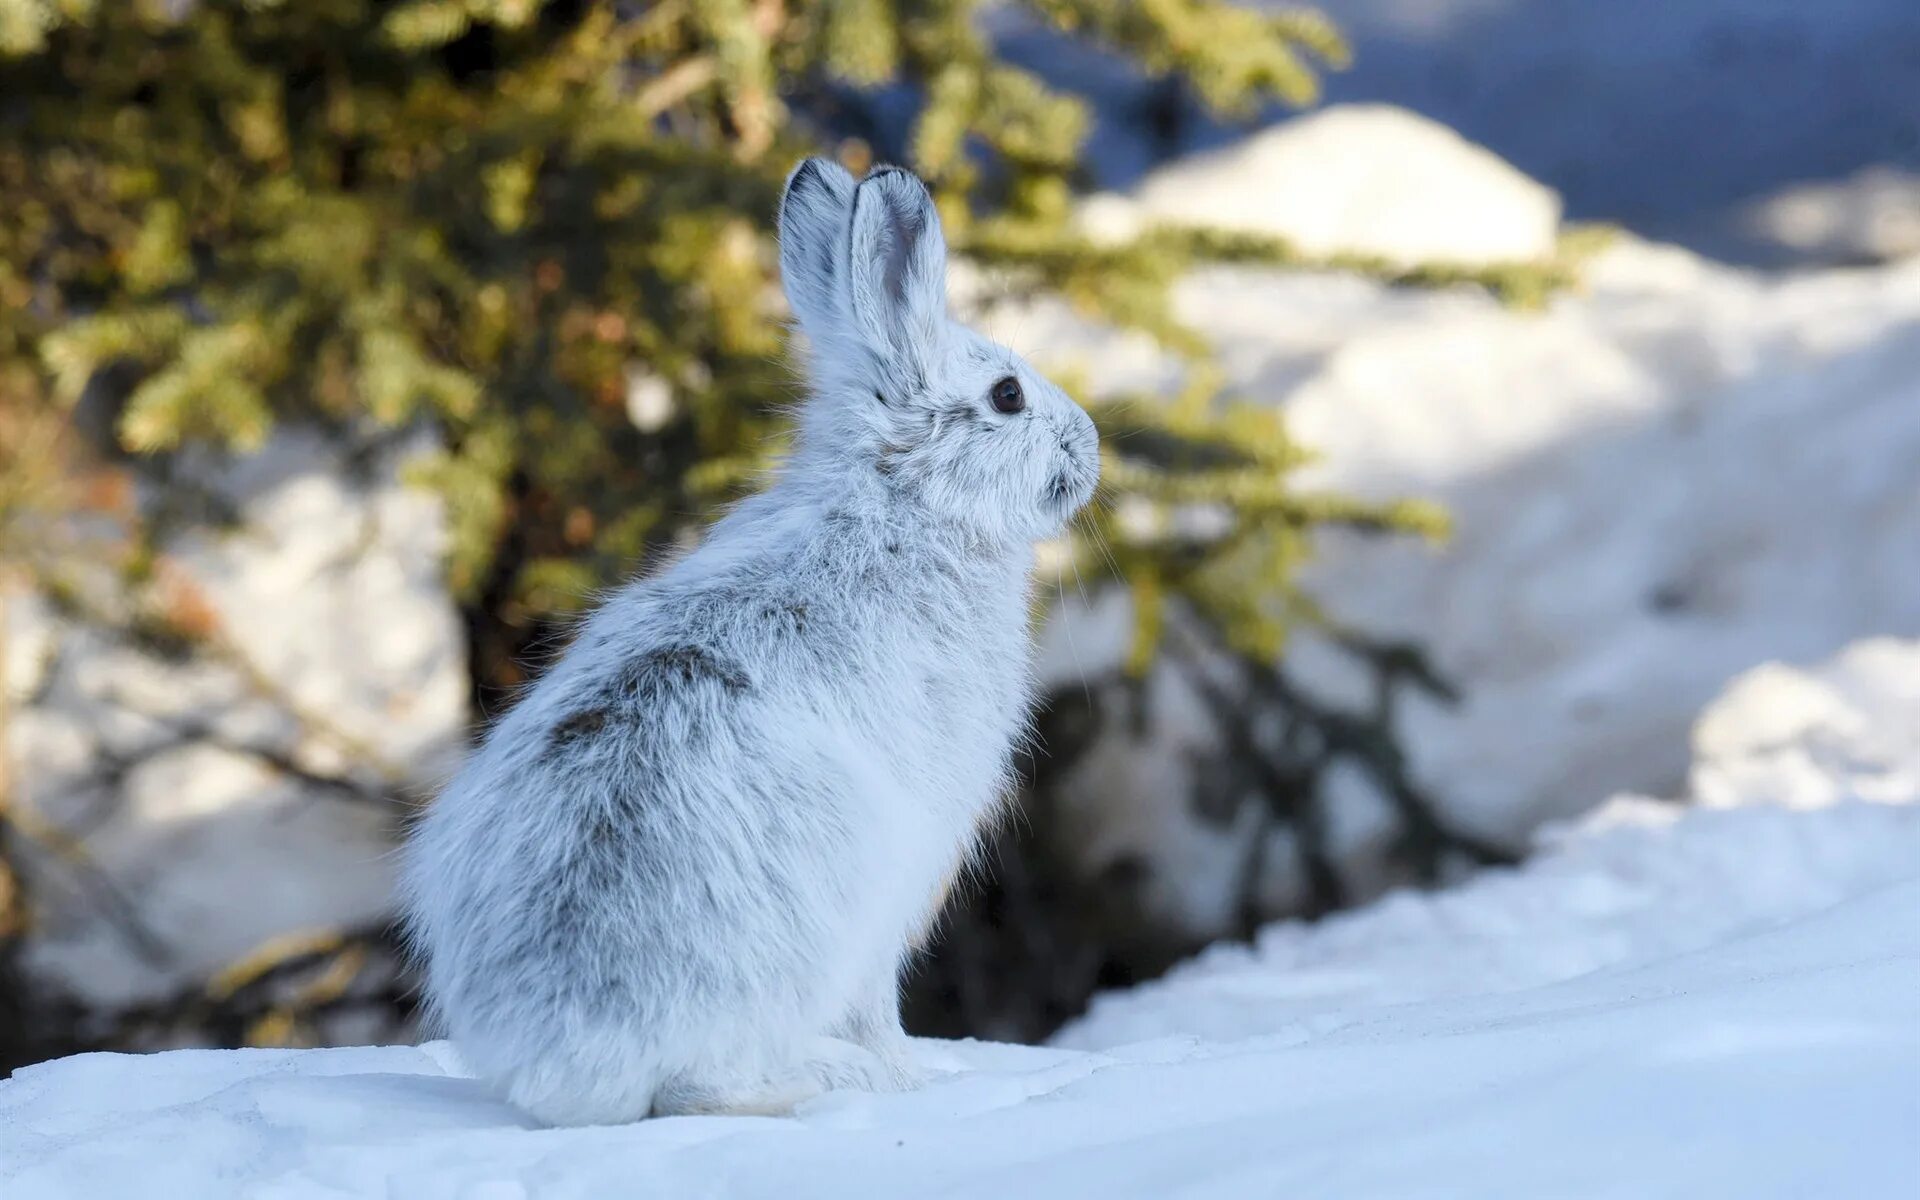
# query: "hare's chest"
[950,716]
[931,662]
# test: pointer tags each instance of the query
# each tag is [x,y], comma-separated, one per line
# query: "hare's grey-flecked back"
[683,873]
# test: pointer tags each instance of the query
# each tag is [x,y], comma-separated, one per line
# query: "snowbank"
[1701,1004]
[1811,785]
[1641,881]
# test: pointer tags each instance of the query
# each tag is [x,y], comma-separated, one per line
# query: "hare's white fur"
[684,872]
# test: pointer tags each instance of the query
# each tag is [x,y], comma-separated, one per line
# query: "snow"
[1803,792]
[1872,215]
[1667,1002]
[1366,179]
[1809,739]
[1640,881]
[1654,489]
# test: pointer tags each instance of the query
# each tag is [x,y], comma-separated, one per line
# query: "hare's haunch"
[682,874]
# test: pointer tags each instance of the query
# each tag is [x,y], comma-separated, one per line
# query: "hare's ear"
[897,267]
[814,211]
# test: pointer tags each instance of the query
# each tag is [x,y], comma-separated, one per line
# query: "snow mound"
[1365,179]
[1708,1002]
[1807,739]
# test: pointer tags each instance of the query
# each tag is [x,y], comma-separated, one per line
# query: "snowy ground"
[1667,1002]
[1782,1060]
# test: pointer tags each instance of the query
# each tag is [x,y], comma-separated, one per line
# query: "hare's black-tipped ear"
[897,265]
[814,212]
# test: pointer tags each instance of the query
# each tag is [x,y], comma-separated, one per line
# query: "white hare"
[683,874]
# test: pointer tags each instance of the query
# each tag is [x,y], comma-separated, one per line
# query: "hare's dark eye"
[1007,396]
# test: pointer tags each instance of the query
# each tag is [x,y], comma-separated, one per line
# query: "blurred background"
[1486,385]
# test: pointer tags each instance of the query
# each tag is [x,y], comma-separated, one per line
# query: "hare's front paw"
[901,1071]
[906,1074]
[873,1024]
[837,1064]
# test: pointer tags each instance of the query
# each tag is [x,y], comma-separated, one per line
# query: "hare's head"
[900,389]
